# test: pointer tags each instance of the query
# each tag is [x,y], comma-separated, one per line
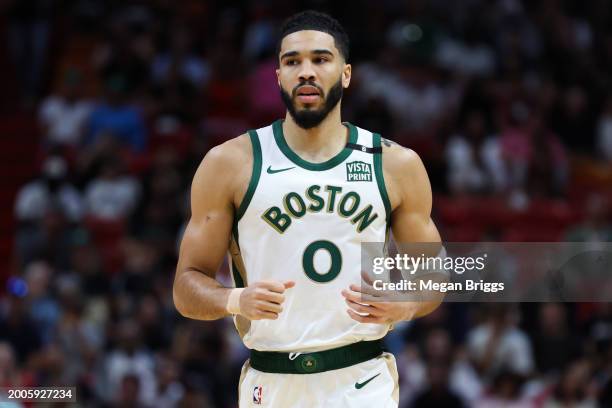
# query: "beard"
[308,118]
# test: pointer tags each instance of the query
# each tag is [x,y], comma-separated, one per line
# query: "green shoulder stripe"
[254,176]
[380,178]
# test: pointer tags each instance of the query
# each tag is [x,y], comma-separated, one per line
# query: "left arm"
[409,191]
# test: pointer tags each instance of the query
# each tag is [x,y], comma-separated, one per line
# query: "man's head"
[313,69]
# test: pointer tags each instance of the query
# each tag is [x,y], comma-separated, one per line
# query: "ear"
[278,76]
[346,75]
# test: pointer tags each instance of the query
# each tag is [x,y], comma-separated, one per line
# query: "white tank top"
[305,221]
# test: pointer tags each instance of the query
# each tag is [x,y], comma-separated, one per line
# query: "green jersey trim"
[380,178]
[238,282]
[254,176]
[279,137]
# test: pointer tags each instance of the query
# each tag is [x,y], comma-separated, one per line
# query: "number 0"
[308,261]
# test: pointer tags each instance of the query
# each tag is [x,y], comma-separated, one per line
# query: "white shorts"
[373,383]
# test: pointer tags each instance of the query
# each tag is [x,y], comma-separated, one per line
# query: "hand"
[264,299]
[376,312]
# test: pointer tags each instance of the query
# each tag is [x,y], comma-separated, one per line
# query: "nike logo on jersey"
[269,170]
[360,385]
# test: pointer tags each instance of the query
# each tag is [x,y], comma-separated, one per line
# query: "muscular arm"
[196,292]
[410,195]
[218,187]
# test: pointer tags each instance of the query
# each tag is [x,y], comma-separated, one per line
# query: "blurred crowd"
[508,102]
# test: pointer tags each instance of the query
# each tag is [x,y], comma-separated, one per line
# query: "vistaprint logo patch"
[358,171]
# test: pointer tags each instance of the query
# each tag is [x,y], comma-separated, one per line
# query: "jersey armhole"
[255,174]
[380,178]
[238,272]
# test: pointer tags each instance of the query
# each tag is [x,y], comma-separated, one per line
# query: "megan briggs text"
[467,285]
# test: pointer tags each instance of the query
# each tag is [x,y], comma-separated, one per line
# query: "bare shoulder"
[226,168]
[403,171]
[397,158]
[230,154]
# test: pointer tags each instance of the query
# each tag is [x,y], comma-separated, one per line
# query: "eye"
[320,60]
[291,62]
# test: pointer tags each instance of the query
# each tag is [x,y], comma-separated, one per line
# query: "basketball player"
[292,202]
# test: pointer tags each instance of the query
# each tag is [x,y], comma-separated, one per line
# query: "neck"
[326,139]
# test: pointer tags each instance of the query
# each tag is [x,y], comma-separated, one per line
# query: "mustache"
[306,83]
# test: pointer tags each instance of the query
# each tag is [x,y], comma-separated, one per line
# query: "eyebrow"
[289,54]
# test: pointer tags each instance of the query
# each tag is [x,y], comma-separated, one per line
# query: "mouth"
[308,94]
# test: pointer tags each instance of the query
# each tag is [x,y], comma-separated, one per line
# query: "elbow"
[179,305]
[177,302]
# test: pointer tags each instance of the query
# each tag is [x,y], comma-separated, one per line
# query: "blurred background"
[107,108]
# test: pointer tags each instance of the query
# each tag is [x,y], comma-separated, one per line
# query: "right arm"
[221,177]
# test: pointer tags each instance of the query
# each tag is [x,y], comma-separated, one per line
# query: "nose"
[307,72]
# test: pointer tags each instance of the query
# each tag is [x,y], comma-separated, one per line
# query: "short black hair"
[315,20]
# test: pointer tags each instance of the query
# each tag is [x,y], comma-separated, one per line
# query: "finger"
[269,306]
[363,309]
[357,298]
[274,286]
[261,315]
[270,296]
[365,277]
[364,319]
[365,290]
[289,284]
[352,295]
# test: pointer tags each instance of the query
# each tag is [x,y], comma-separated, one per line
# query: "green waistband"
[317,362]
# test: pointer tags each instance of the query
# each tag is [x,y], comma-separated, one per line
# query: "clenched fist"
[263,299]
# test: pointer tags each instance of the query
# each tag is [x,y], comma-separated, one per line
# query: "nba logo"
[257,394]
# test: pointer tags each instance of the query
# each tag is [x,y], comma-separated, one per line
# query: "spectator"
[438,393]
[50,190]
[79,337]
[129,358]
[87,268]
[159,215]
[42,305]
[18,329]
[416,100]
[474,158]
[140,270]
[470,57]
[129,391]
[454,377]
[116,118]
[498,345]
[10,374]
[573,119]
[574,388]
[505,392]
[536,159]
[169,389]
[596,226]
[260,34]
[50,239]
[554,345]
[113,194]
[152,324]
[180,60]
[63,116]
[28,35]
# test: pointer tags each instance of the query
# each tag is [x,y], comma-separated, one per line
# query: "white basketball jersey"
[305,221]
